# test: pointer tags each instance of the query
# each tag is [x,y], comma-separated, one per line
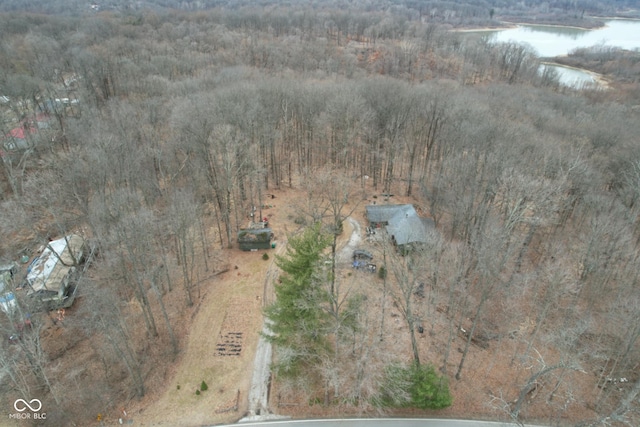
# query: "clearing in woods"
[222,338]
[224,330]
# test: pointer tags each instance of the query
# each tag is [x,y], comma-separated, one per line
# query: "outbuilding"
[255,238]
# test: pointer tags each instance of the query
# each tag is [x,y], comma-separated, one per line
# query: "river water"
[550,41]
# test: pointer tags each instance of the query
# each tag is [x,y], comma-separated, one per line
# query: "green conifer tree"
[297,317]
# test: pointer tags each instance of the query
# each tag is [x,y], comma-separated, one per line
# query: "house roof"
[47,271]
[384,213]
[254,231]
[404,224]
[8,302]
[16,133]
[410,229]
[16,139]
[248,235]
[28,126]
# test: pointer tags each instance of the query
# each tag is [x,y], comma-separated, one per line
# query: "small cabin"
[255,238]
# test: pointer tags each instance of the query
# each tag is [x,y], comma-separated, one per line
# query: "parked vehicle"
[363,265]
[360,254]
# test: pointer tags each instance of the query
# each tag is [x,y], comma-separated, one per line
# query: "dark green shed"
[259,238]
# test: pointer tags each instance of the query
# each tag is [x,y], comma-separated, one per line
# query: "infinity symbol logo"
[37,405]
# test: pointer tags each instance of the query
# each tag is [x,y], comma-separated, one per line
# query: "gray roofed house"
[379,215]
[402,222]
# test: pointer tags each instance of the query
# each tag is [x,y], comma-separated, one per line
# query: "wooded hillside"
[143,127]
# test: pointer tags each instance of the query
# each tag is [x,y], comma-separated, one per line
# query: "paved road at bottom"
[378,422]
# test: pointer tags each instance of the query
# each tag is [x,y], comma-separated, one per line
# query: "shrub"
[315,401]
[429,390]
[198,392]
[204,386]
[415,386]
[382,272]
[265,256]
[178,387]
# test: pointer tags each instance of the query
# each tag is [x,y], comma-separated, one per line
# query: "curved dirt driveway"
[344,255]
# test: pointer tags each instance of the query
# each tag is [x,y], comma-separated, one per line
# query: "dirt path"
[344,256]
[259,391]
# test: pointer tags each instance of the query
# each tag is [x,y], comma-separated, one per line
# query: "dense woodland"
[460,12]
[182,118]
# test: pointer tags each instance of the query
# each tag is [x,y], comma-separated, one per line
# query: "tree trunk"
[476,319]
[172,337]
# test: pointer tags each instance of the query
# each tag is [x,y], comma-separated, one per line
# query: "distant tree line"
[467,12]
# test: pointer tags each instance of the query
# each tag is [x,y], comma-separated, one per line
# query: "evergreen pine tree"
[297,318]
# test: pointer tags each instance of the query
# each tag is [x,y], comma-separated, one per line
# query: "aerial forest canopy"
[137,126]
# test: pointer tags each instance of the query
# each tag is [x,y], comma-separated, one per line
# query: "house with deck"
[402,224]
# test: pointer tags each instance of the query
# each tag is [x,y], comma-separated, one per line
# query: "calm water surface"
[550,41]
